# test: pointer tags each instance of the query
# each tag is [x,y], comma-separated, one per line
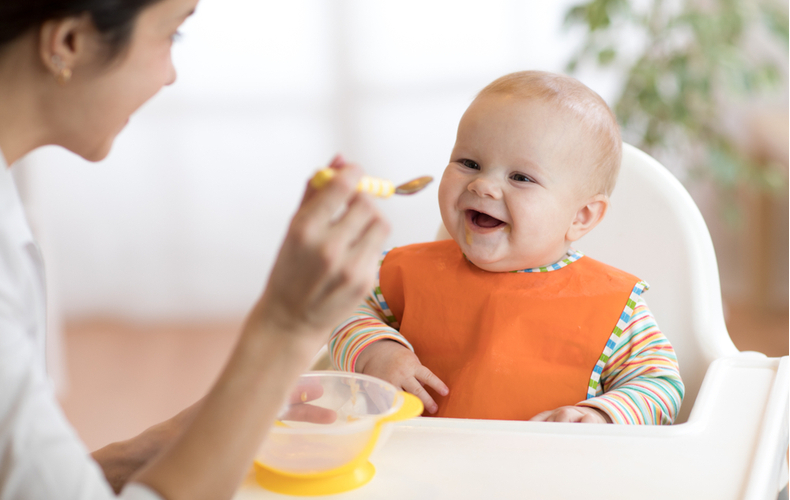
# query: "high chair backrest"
[654,230]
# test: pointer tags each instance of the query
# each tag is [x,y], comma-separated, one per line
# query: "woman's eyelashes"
[469,164]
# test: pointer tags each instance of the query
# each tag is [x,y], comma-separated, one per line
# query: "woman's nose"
[171,76]
[485,187]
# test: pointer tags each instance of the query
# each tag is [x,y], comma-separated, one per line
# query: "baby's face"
[514,183]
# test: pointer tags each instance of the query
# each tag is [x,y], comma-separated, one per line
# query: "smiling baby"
[506,320]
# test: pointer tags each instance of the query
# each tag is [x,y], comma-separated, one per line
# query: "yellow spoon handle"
[381,188]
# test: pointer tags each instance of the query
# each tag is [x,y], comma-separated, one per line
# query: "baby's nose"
[485,188]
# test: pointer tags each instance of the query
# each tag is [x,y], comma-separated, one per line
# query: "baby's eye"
[520,178]
[470,164]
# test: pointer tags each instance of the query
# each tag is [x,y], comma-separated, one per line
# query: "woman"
[71,73]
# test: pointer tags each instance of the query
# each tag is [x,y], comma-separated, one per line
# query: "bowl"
[321,443]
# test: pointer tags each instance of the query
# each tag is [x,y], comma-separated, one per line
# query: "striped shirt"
[638,383]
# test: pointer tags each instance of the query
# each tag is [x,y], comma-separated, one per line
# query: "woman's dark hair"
[114,19]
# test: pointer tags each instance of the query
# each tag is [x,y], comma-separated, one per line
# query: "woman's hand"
[328,259]
[300,409]
[325,266]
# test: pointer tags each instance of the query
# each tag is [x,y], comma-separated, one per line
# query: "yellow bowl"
[325,435]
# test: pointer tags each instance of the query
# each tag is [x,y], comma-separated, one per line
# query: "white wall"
[184,218]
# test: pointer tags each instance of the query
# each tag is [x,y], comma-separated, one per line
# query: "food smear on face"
[303,396]
[468,232]
[506,229]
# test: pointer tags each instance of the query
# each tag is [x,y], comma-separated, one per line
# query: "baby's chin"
[490,267]
[499,260]
[486,260]
[501,266]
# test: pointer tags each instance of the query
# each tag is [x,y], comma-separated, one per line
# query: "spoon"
[381,188]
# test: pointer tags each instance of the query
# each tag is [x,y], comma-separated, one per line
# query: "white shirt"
[41,456]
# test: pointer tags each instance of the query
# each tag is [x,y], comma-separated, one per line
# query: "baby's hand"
[573,414]
[396,364]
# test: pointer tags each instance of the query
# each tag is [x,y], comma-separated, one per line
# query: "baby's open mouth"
[483,220]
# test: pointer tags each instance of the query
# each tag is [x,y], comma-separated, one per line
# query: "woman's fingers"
[340,223]
[306,390]
[367,245]
[358,216]
[337,163]
[355,240]
[320,206]
[361,251]
[310,413]
[327,261]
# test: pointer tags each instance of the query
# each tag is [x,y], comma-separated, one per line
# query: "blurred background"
[155,255]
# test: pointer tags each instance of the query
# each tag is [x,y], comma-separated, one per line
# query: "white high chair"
[729,442]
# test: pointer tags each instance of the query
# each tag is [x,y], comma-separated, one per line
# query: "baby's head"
[535,160]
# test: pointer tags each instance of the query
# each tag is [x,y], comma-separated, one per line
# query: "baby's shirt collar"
[570,256]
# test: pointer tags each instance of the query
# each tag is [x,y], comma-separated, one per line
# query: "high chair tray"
[732,447]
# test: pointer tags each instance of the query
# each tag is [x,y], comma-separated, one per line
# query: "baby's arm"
[367,325]
[366,343]
[640,383]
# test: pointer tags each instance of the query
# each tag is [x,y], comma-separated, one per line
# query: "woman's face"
[105,94]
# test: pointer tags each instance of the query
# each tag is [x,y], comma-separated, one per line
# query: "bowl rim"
[345,427]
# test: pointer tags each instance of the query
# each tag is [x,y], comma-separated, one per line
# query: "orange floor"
[125,377]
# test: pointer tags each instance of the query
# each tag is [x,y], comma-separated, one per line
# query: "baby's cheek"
[450,220]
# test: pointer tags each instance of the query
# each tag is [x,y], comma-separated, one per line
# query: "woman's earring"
[64,73]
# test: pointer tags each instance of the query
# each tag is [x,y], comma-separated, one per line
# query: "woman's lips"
[481,222]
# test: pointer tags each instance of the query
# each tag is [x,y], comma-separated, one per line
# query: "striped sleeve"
[640,383]
[369,323]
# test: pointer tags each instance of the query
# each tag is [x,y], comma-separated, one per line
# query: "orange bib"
[508,345]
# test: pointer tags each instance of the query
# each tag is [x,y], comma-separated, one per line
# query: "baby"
[506,320]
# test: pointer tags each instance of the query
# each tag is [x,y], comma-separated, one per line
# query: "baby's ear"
[587,217]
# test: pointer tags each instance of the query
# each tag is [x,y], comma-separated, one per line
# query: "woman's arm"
[323,270]
[119,461]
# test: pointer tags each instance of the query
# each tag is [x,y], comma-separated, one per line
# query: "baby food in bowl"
[322,441]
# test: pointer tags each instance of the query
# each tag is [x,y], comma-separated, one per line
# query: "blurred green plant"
[682,61]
